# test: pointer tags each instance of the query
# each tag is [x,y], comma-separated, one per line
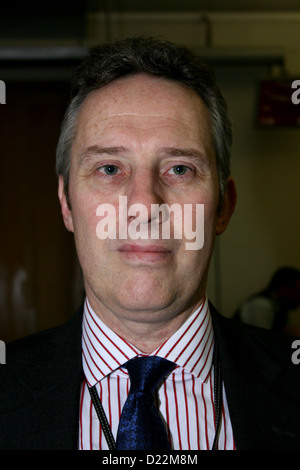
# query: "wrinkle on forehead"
[139,121]
[144,95]
[144,103]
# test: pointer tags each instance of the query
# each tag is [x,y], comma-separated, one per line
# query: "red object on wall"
[276,108]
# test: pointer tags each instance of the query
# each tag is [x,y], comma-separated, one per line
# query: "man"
[147,134]
[270,308]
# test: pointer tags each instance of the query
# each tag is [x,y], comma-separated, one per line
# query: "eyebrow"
[198,156]
[95,150]
[182,152]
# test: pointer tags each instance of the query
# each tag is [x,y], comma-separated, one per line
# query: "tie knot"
[146,372]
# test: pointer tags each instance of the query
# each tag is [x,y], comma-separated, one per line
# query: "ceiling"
[194,5]
[66,19]
[78,7]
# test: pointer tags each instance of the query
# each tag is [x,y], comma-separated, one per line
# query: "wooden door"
[40,280]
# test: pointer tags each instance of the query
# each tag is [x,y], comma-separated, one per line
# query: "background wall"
[245,47]
[264,232]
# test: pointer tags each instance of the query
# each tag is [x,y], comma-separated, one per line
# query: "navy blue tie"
[141,427]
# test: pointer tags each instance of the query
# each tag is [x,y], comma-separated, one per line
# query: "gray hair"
[109,62]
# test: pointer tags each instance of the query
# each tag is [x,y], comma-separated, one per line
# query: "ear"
[227,208]
[65,210]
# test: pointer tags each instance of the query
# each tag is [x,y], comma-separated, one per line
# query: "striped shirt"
[185,397]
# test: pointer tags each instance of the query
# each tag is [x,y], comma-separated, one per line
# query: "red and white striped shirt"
[185,398]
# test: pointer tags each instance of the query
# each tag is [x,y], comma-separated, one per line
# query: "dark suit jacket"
[40,388]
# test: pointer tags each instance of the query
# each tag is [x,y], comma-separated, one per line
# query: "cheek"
[84,217]
[210,216]
[204,214]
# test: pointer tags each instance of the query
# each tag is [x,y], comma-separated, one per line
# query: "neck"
[144,334]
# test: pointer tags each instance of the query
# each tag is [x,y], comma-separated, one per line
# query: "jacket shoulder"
[252,340]
[33,361]
[40,389]
[262,385]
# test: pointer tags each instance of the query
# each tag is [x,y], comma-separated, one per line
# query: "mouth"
[146,253]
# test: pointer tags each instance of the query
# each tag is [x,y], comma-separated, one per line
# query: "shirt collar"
[190,347]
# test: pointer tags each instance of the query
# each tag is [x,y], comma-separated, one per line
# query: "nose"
[144,196]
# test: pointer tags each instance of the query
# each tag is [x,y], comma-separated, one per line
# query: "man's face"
[148,140]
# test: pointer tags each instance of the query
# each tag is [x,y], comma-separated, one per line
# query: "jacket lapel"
[255,369]
[66,395]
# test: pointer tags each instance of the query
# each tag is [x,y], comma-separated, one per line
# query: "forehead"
[149,99]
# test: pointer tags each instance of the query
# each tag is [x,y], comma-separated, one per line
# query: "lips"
[144,248]
[147,253]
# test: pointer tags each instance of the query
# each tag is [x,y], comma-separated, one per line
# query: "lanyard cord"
[217,397]
[102,418]
[217,402]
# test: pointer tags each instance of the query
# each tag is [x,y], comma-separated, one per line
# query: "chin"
[144,300]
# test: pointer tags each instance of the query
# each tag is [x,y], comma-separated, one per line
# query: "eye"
[179,170]
[109,170]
